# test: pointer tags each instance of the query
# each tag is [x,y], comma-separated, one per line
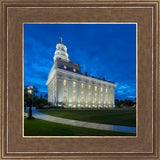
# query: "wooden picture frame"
[145,145]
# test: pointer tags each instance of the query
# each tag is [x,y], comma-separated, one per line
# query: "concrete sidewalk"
[77,123]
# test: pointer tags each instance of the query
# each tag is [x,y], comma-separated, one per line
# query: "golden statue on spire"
[61,40]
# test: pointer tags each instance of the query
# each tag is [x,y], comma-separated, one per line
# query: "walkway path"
[92,125]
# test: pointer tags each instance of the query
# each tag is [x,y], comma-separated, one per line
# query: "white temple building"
[67,86]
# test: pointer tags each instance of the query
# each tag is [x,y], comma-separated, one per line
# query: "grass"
[36,127]
[125,117]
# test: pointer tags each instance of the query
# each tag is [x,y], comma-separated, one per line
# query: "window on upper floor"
[82,85]
[64,82]
[89,87]
[65,67]
[95,88]
[106,90]
[82,92]
[74,84]
[89,100]
[89,93]
[74,70]
[101,101]
[95,100]
[74,91]
[101,89]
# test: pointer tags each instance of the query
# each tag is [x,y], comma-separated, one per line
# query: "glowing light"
[74,84]
[82,85]
[74,99]
[64,82]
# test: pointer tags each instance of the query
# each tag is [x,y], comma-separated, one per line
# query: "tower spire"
[61,40]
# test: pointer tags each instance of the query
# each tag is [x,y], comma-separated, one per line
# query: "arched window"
[82,99]
[95,88]
[101,89]
[74,84]
[74,99]
[64,98]
[64,82]
[82,85]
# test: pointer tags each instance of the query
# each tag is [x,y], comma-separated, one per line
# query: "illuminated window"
[65,90]
[74,99]
[82,99]
[101,101]
[89,100]
[95,94]
[106,90]
[106,102]
[111,103]
[101,89]
[64,82]
[74,91]
[101,95]
[82,85]
[111,91]
[64,98]
[89,87]
[95,88]
[82,92]
[65,67]
[89,93]
[74,84]
[95,101]
[74,70]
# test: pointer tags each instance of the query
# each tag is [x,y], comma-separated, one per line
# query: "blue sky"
[103,50]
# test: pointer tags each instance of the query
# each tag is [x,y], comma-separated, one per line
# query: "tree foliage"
[33,99]
[124,103]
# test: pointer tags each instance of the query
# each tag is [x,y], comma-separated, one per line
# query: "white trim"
[79,76]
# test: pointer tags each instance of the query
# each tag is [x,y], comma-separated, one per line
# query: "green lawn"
[36,127]
[125,117]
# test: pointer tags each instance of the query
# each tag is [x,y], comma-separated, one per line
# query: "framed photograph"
[80,79]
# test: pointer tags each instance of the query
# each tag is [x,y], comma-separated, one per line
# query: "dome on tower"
[61,52]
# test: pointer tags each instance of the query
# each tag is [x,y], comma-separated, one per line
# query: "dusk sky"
[102,50]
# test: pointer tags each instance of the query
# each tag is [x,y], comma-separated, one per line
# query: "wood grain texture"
[14,13]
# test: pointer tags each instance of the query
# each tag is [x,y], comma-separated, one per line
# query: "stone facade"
[67,86]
